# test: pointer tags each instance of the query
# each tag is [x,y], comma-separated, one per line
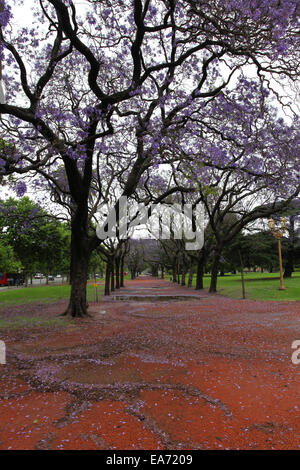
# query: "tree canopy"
[99,98]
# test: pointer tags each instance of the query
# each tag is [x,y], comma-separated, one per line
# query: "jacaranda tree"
[111,85]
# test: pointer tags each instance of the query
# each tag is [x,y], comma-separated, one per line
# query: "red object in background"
[3,279]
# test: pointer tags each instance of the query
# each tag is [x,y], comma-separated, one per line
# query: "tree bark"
[107,278]
[183,275]
[289,265]
[154,271]
[174,271]
[112,274]
[79,272]
[214,273]
[122,271]
[191,273]
[200,271]
[178,272]
[117,264]
[242,275]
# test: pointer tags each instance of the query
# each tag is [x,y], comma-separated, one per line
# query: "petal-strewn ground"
[161,367]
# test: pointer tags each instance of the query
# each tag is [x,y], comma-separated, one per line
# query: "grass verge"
[259,286]
[33,322]
[43,294]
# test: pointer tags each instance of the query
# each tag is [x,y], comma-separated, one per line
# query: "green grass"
[259,286]
[43,294]
[33,322]
[40,294]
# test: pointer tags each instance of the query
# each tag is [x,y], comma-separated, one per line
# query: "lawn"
[44,294]
[37,295]
[259,286]
[33,322]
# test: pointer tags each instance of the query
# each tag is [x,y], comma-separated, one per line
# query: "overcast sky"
[23,17]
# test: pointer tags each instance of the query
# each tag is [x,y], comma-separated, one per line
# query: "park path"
[154,289]
[159,366]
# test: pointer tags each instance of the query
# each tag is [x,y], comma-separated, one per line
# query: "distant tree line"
[33,240]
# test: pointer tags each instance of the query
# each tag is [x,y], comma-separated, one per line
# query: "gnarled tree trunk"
[80,255]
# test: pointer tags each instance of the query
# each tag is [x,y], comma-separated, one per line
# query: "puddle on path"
[155,298]
[93,373]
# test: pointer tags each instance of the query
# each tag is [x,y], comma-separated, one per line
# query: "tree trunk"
[112,274]
[191,273]
[81,242]
[183,275]
[242,275]
[174,269]
[200,271]
[122,271]
[117,264]
[289,265]
[79,273]
[154,270]
[214,273]
[107,278]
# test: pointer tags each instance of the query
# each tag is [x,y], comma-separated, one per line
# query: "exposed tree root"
[76,310]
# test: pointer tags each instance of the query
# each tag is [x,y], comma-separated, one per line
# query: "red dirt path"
[201,373]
